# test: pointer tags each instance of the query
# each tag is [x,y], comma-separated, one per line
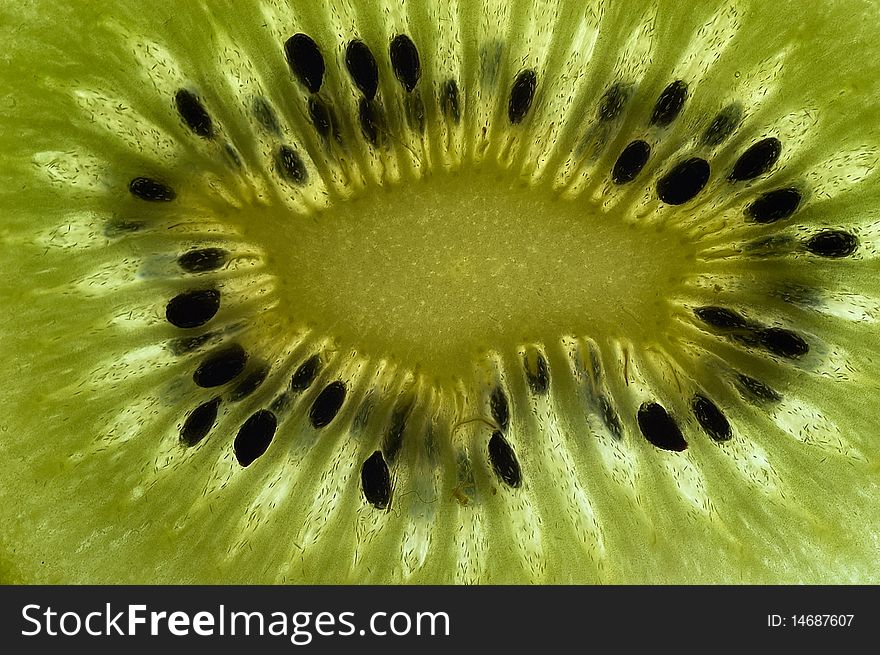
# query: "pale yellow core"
[435,271]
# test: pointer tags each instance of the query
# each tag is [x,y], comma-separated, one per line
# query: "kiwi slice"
[460,292]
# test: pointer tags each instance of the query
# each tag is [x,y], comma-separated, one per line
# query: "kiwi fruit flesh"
[456,292]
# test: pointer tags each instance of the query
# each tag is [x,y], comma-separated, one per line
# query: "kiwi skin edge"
[508,322]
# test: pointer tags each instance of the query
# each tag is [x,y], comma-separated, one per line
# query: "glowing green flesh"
[432,274]
[426,273]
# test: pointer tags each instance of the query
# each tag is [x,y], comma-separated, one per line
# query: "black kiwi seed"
[306,373]
[684,181]
[784,343]
[537,375]
[221,366]
[327,404]
[756,160]
[711,419]
[376,481]
[504,461]
[394,436]
[755,390]
[500,408]
[305,61]
[723,126]
[669,104]
[832,243]
[405,61]
[265,115]
[192,308]
[630,162]
[612,102]
[521,96]
[146,188]
[319,112]
[254,436]
[202,260]
[249,384]
[194,114]
[449,100]
[721,318]
[199,422]
[290,165]
[609,417]
[659,428]
[362,67]
[774,206]
[371,120]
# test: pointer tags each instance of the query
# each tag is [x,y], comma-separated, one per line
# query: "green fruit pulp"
[427,271]
[431,274]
